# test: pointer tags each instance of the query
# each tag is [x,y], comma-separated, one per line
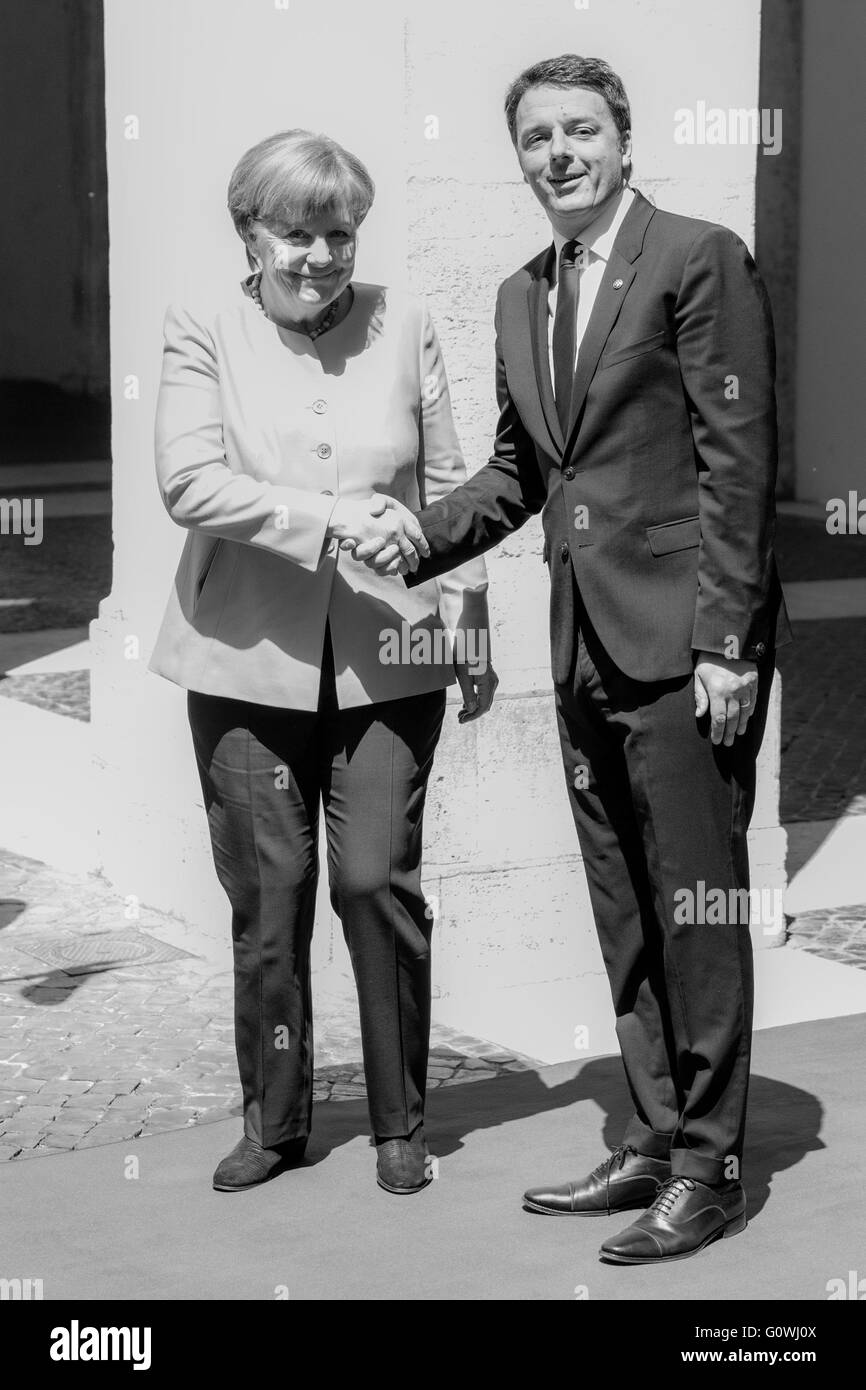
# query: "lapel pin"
[617,284]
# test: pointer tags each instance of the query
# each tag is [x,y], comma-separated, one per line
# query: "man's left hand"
[728,689]
[477,687]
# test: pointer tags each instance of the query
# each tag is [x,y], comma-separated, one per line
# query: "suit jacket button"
[564,552]
[324,451]
[760,649]
[568,474]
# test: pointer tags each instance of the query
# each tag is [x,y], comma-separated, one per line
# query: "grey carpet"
[327,1232]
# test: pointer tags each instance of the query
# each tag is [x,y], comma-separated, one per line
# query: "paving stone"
[833,935]
[460,1077]
[60,1142]
[25,1138]
[20,1085]
[62,1089]
[846,958]
[121,1087]
[125,1105]
[36,1114]
[79,1105]
[82,1121]
[112,1133]
[48,1071]
[96,1138]
[108,1090]
[65,1124]
[174,1115]
[210,1117]
[161,1125]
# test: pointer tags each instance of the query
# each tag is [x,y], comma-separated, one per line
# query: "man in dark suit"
[635,367]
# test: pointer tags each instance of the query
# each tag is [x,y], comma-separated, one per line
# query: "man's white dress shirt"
[597,242]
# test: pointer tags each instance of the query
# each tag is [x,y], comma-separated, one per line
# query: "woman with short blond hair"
[301,417]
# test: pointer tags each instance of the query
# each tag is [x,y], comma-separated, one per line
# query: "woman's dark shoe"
[684,1218]
[625,1179]
[249,1164]
[402,1164]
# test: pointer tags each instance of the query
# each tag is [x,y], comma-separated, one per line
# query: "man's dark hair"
[570,70]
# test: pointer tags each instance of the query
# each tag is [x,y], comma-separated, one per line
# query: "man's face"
[571,154]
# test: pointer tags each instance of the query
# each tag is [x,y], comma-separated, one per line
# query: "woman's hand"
[378,525]
[477,686]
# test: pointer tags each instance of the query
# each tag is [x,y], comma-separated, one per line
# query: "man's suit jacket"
[259,430]
[660,500]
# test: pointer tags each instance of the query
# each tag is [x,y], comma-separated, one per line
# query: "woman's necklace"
[314,330]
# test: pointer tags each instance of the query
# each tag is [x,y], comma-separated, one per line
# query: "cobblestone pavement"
[90,1054]
[61,692]
[823,679]
[60,582]
[824,720]
[837,933]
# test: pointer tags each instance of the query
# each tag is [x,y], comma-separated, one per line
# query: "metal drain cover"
[76,955]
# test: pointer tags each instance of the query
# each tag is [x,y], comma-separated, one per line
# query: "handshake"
[381,532]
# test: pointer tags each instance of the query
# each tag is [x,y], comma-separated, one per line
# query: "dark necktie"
[565,331]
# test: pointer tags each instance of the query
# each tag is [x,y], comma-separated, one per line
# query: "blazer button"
[760,649]
[564,552]
[324,451]
[568,474]
[320,407]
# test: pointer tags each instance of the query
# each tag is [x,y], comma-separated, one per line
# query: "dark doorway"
[55,417]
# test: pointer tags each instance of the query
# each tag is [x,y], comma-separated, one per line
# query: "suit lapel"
[539,328]
[616,282]
[612,291]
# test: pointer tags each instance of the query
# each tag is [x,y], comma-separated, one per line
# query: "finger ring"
[745,704]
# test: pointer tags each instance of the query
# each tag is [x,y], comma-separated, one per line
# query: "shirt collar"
[601,233]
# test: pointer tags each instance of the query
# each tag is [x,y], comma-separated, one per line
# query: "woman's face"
[305,264]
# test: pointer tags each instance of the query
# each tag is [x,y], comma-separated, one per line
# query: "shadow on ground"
[784,1121]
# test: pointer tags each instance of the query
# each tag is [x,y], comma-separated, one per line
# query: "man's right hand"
[380,524]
